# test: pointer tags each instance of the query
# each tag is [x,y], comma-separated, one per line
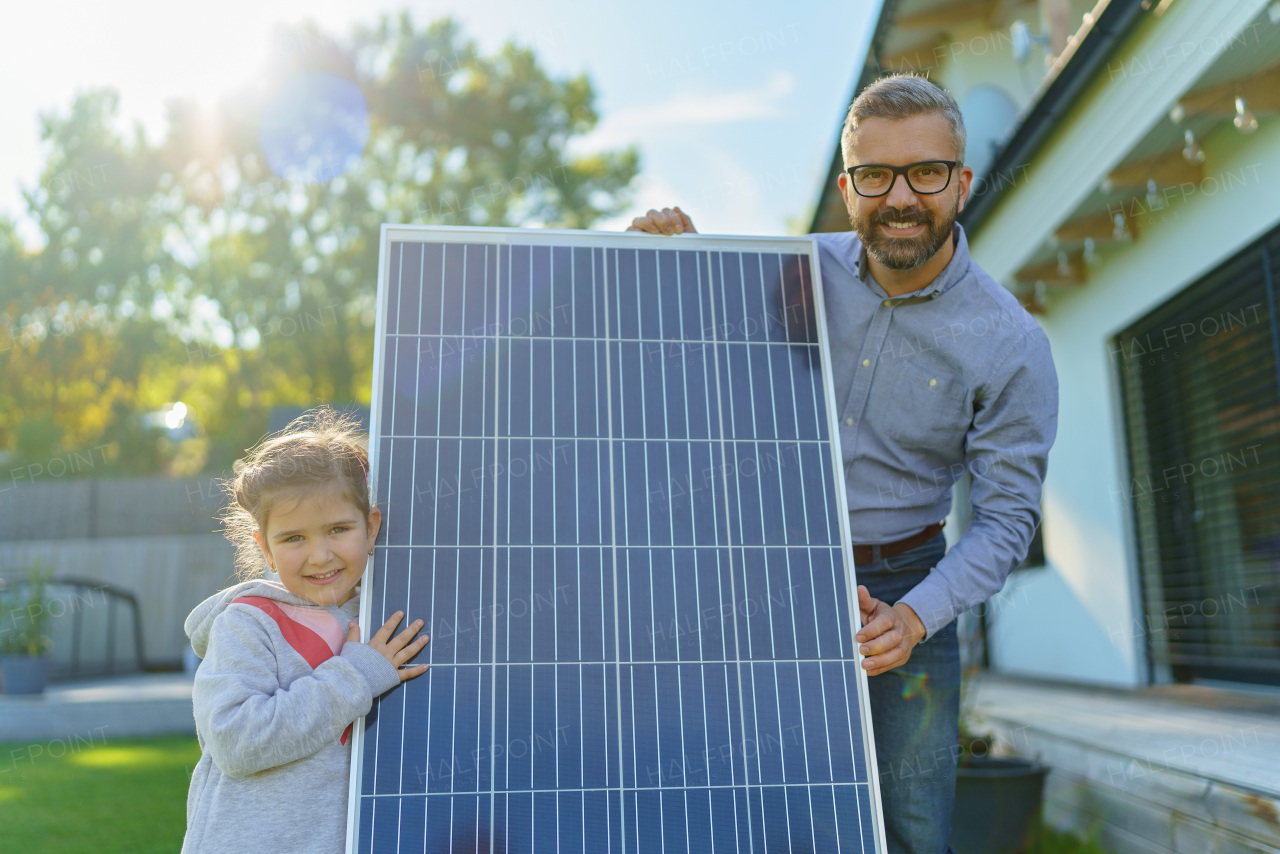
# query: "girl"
[284,673]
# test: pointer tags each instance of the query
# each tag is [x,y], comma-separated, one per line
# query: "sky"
[734,107]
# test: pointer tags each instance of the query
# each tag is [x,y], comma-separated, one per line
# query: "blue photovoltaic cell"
[608,486]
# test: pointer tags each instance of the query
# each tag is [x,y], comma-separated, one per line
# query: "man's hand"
[665,221]
[888,634]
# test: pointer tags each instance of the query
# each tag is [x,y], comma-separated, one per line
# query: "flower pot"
[997,808]
[24,674]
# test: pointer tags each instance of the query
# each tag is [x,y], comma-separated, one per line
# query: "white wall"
[1080,617]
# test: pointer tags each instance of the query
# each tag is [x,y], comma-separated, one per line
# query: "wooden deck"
[1166,769]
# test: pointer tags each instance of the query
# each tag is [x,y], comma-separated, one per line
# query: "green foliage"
[1059,842]
[187,270]
[23,611]
[67,796]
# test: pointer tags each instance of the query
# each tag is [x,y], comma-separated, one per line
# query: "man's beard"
[904,253]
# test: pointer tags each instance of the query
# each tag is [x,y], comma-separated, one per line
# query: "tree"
[233,263]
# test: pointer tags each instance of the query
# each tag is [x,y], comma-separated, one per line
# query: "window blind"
[1201,393]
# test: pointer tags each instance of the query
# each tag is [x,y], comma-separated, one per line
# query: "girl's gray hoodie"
[274,699]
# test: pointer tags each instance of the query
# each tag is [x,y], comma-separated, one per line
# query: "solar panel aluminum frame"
[803,246]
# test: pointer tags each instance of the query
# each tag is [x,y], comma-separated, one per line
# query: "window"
[1201,387]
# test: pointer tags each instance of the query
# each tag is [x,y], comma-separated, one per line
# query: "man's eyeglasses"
[926,177]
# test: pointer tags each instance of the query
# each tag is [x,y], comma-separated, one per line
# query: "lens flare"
[315,128]
[915,685]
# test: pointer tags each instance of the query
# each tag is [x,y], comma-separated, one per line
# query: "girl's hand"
[398,649]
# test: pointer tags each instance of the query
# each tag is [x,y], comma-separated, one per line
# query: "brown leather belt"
[868,554]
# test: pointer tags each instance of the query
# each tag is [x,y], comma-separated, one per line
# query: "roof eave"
[1060,93]
[871,69]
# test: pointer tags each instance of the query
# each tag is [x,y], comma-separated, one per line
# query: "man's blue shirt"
[954,376]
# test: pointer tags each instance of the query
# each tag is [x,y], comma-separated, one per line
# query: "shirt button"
[866,362]
[933,382]
[887,303]
[849,421]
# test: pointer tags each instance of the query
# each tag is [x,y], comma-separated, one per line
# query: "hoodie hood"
[200,621]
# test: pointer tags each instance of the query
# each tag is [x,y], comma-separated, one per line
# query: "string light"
[1090,253]
[1192,152]
[1154,200]
[1245,121]
[1064,264]
[1120,232]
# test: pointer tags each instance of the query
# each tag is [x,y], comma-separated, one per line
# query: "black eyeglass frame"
[951,165]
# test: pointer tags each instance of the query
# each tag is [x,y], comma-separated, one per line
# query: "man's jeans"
[915,710]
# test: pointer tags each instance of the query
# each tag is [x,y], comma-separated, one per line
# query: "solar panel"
[611,487]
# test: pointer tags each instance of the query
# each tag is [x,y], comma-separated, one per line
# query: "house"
[1127,189]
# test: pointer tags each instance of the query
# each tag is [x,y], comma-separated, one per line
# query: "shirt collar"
[957,268]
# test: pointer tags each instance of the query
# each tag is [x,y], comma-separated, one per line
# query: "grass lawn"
[130,797]
[73,797]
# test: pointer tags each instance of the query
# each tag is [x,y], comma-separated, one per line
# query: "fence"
[153,538]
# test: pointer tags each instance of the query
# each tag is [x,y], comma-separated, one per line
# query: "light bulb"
[1192,152]
[1154,201]
[1245,121]
[1120,232]
[1064,264]
[1090,251]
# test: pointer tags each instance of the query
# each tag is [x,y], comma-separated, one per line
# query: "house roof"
[1087,53]
[1159,168]
[910,36]
[829,213]
[1151,161]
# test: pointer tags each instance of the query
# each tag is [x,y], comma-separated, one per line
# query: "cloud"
[692,109]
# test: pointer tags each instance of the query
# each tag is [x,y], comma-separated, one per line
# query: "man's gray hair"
[901,96]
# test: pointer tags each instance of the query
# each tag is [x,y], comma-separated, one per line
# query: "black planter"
[997,807]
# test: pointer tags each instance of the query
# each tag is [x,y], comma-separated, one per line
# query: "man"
[937,370]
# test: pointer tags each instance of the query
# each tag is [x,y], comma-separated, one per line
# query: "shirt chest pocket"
[931,411]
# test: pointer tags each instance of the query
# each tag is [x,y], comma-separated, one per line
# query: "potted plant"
[998,797]
[24,647]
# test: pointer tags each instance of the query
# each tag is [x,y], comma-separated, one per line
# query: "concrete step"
[100,709]
[1156,771]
